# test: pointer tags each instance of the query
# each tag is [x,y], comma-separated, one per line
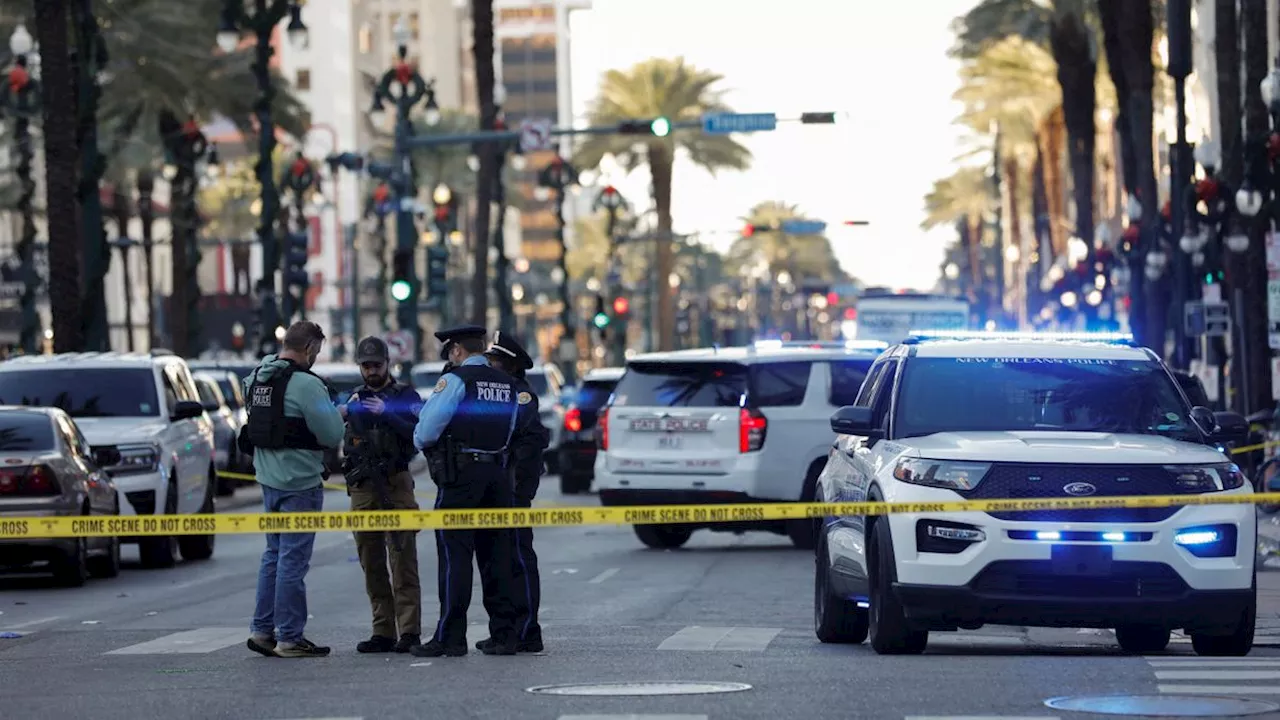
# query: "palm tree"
[482,49]
[62,171]
[672,89]
[963,199]
[803,257]
[1253,280]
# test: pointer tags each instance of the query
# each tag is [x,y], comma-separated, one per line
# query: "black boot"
[435,648]
[376,644]
[407,642]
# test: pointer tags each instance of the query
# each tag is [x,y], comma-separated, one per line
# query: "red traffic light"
[833,298]
[748,230]
[621,305]
[851,313]
[442,213]
[381,193]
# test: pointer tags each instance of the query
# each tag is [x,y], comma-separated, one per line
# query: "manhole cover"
[1163,705]
[640,688]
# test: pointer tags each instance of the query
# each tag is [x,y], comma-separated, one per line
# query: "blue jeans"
[282,589]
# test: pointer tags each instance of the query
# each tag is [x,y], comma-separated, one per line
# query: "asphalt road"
[735,609]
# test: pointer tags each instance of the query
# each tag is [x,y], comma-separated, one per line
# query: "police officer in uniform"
[528,442]
[381,416]
[465,430]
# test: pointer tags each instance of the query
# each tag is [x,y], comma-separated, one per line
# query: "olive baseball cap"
[372,349]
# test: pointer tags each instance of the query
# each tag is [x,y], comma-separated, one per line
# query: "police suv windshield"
[1040,394]
[115,392]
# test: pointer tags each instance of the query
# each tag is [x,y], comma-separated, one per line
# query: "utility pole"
[1179,32]
[557,177]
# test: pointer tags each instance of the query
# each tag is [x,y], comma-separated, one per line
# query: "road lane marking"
[632,716]
[720,638]
[188,642]
[31,623]
[1219,689]
[981,717]
[603,576]
[1217,662]
[1218,675]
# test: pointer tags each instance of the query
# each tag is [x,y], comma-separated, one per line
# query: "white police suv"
[981,416]
[725,425]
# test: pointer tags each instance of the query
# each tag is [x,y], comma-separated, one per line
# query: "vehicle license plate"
[1081,559]
[669,442]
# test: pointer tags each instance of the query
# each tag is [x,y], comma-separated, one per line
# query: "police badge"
[441,384]
[524,398]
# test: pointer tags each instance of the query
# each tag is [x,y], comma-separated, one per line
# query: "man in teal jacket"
[291,421]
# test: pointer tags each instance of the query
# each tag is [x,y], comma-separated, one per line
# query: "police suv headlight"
[1205,478]
[948,474]
[137,459]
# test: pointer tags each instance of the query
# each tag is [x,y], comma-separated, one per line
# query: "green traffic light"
[400,290]
[601,320]
[661,127]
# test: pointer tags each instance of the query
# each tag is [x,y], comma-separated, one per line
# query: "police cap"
[372,349]
[506,345]
[461,332]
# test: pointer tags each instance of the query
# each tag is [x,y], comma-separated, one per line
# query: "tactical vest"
[268,428]
[486,415]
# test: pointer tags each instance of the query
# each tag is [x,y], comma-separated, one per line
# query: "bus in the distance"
[890,316]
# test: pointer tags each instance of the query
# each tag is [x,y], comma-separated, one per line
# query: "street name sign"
[725,123]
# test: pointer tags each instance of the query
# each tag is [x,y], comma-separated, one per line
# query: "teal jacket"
[306,397]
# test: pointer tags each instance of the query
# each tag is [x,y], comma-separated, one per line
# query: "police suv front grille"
[1019,481]
[1035,578]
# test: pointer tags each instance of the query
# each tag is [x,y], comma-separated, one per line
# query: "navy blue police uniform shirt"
[475,404]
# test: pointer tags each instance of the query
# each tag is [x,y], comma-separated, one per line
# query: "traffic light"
[402,275]
[437,270]
[601,319]
[295,274]
[658,127]
[621,306]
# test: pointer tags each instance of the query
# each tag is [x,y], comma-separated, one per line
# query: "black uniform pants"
[526,582]
[477,485]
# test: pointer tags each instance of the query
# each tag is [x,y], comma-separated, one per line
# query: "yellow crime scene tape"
[17,527]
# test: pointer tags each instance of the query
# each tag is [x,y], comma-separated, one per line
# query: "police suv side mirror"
[186,410]
[851,420]
[1226,426]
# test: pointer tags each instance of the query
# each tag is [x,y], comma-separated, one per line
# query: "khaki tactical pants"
[396,596]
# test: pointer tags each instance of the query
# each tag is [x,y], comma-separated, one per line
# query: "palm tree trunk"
[1226,48]
[1253,280]
[660,169]
[1052,143]
[61,173]
[1012,174]
[482,49]
[1077,75]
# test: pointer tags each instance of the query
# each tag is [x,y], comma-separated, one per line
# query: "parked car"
[547,383]
[47,468]
[146,407]
[226,428]
[424,377]
[578,443]
[342,379]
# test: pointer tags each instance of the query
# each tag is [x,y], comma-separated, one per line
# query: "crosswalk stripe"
[1219,689]
[1220,662]
[189,642]
[696,637]
[633,717]
[1218,675]
[981,717]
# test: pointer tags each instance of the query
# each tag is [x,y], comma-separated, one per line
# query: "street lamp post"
[185,147]
[612,202]
[404,87]
[1179,67]
[557,177]
[261,21]
[298,180]
[21,101]
[91,58]
[146,215]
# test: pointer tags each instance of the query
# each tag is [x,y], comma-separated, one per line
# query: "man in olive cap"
[381,416]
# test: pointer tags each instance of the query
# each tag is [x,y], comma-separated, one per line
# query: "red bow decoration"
[18,78]
[380,194]
[1207,190]
[403,73]
[300,166]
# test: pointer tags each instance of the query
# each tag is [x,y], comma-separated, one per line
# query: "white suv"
[1007,416]
[146,407]
[725,425]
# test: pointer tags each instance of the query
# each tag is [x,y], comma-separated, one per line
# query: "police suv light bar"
[866,345]
[1100,337]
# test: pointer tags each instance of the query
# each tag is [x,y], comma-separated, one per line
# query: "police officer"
[528,442]
[381,416]
[465,429]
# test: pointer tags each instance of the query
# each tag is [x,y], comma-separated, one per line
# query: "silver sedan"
[48,469]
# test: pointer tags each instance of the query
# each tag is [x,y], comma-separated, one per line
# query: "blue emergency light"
[1117,338]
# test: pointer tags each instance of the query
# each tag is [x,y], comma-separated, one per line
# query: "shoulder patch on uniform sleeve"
[524,398]
[441,384]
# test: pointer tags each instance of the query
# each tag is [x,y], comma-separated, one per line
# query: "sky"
[880,64]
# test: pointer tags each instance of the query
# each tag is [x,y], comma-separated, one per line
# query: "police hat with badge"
[507,347]
[449,336]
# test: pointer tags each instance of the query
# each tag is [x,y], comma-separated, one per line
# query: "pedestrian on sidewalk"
[528,442]
[291,422]
[381,415]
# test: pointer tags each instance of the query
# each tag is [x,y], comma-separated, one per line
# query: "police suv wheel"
[200,547]
[1240,640]
[835,619]
[890,632]
[162,551]
[107,565]
[663,537]
[72,570]
[1141,639]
